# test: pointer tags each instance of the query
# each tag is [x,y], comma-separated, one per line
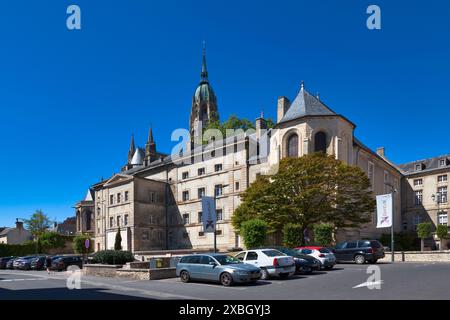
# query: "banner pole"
[392,228]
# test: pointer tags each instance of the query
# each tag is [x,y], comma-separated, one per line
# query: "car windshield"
[273,253]
[289,252]
[226,259]
[324,250]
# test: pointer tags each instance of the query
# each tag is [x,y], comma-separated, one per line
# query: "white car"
[324,255]
[272,262]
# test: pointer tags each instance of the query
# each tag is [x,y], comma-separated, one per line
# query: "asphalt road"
[397,281]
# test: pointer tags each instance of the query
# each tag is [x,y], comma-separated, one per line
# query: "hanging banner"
[209,214]
[384,211]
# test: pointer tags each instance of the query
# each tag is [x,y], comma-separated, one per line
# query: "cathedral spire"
[204,74]
[150,148]
[132,149]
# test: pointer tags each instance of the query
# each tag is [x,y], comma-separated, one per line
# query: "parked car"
[4,261]
[324,255]
[38,263]
[271,262]
[62,262]
[23,263]
[9,264]
[359,251]
[303,263]
[216,267]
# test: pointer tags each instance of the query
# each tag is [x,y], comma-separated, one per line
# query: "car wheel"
[329,267]
[184,276]
[264,274]
[226,279]
[359,259]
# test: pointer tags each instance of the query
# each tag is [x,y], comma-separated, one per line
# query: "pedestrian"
[48,263]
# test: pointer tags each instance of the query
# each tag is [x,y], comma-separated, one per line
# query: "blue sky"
[70,100]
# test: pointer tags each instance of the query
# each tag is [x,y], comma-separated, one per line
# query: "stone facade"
[156,199]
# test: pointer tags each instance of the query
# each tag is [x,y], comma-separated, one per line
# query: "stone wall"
[100,270]
[418,256]
[116,271]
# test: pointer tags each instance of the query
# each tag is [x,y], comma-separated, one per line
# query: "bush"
[404,241]
[79,244]
[254,233]
[292,235]
[52,240]
[112,257]
[17,249]
[323,234]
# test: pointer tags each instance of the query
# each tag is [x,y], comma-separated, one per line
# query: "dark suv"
[359,251]
[61,263]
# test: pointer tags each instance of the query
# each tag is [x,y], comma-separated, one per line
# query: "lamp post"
[437,198]
[393,191]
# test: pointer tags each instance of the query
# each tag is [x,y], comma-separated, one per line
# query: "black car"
[4,261]
[38,263]
[62,262]
[23,263]
[303,263]
[9,264]
[359,251]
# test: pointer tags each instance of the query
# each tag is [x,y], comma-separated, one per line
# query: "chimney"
[260,124]
[283,106]
[19,224]
[380,151]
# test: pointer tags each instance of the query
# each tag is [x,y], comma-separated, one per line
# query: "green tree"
[254,233]
[235,123]
[118,241]
[323,234]
[79,244]
[52,240]
[424,230]
[442,233]
[38,223]
[307,191]
[292,235]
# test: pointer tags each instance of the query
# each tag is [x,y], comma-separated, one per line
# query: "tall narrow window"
[292,146]
[320,142]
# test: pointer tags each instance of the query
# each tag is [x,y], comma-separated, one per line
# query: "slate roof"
[426,164]
[305,104]
[5,231]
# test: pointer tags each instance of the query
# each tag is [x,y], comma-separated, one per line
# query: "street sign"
[209,214]
[87,244]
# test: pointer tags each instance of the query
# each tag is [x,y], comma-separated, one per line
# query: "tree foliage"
[424,230]
[254,233]
[38,223]
[292,235]
[52,240]
[323,234]
[112,257]
[442,231]
[235,123]
[79,244]
[306,191]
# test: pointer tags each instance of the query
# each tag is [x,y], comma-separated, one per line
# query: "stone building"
[17,235]
[425,192]
[155,201]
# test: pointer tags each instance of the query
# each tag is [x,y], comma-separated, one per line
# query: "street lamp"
[437,198]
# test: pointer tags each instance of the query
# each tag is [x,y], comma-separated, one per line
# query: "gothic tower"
[204,105]
[150,148]
[132,150]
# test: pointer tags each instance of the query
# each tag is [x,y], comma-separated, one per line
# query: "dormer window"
[442,162]
[419,167]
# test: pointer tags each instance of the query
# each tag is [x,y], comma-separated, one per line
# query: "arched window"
[320,142]
[292,146]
